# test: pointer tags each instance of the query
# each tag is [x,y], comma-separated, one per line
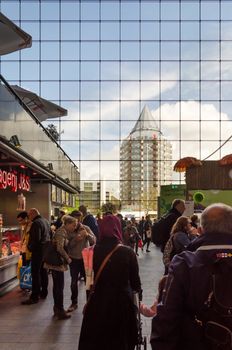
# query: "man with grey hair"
[176,325]
[39,234]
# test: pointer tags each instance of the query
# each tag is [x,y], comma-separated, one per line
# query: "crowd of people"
[194,257]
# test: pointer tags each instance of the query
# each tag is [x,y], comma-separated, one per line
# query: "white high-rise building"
[145,164]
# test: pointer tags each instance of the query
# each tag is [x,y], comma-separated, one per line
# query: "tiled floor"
[33,327]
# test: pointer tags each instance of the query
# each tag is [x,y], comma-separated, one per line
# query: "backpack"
[159,232]
[216,316]
[169,252]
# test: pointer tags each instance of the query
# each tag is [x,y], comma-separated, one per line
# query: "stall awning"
[42,108]
[20,157]
[12,38]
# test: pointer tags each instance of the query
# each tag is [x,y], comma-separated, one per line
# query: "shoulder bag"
[103,264]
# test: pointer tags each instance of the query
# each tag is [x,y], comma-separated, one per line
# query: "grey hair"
[217,218]
[68,219]
[176,202]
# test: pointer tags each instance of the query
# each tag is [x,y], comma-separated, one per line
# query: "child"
[151,311]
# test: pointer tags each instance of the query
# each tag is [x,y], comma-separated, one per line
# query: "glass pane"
[69,71]
[69,51]
[109,31]
[129,31]
[29,70]
[189,90]
[89,70]
[70,90]
[130,71]
[89,90]
[89,31]
[50,10]
[226,28]
[190,71]
[130,50]
[149,90]
[210,10]
[69,31]
[170,30]
[89,150]
[150,50]
[190,31]
[209,30]
[110,51]
[90,51]
[69,10]
[130,90]
[226,90]
[210,70]
[90,10]
[190,130]
[49,51]
[209,90]
[189,50]
[210,130]
[149,10]
[110,150]
[109,130]
[150,71]
[170,50]
[109,110]
[109,90]
[110,70]
[130,10]
[210,50]
[189,10]
[169,10]
[110,10]
[226,10]
[89,130]
[49,70]
[50,31]
[150,30]
[89,110]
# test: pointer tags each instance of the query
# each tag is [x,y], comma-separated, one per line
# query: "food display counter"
[10,250]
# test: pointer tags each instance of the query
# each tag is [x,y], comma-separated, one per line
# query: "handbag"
[51,255]
[25,281]
[103,264]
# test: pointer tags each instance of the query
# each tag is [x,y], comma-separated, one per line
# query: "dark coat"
[91,222]
[170,219]
[110,319]
[39,234]
[187,288]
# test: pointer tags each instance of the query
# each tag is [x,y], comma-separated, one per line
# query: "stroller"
[142,341]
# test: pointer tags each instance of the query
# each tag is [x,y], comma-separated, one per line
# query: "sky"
[177,60]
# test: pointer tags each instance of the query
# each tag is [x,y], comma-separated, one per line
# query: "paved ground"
[33,327]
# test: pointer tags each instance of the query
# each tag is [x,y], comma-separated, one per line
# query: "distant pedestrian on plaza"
[110,320]
[60,241]
[89,220]
[82,237]
[39,234]
[147,233]
[141,227]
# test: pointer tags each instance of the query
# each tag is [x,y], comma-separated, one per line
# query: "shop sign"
[14,180]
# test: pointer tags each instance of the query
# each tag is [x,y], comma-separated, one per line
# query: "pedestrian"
[60,242]
[147,233]
[82,237]
[179,323]
[39,234]
[109,320]
[141,227]
[25,223]
[89,220]
[161,229]
[58,223]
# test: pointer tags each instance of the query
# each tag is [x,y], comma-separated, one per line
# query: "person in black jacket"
[110,319]
[177,209]
[38,236]
[177,325]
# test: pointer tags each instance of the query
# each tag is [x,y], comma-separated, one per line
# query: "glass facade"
[105,60]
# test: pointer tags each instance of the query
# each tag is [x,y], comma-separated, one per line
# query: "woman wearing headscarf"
[109,320]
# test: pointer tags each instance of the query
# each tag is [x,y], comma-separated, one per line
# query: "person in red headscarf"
[109,320]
